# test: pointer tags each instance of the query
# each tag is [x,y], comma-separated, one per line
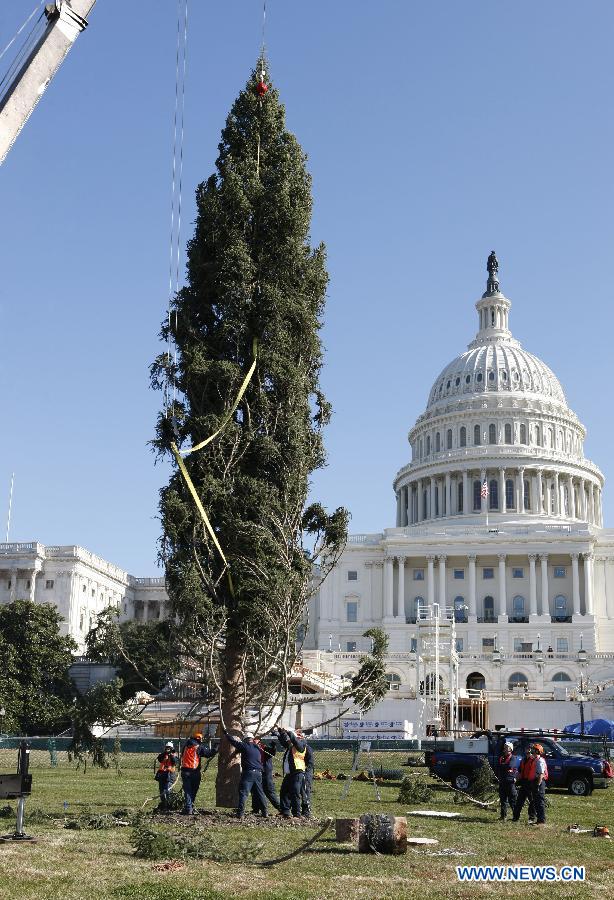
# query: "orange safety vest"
[299,759]
[166,763]
[190,758]
[526,769]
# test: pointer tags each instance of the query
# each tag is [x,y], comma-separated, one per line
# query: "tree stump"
[346,831]
[382,834]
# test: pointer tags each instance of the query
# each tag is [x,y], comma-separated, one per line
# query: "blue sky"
[435,132]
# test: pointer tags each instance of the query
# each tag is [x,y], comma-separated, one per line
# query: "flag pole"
[8,520]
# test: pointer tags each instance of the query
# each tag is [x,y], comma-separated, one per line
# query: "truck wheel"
[461,781]
[580,787]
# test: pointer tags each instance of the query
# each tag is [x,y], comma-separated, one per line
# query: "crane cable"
[25,47]
[176,200]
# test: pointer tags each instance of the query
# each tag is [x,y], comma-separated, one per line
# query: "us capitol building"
[498,520]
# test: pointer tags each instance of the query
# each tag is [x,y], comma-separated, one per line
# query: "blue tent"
[593,726]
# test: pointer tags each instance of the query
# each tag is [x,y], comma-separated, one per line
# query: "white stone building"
[525,567]
[79,583]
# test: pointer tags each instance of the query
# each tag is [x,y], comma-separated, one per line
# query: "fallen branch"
[318,834]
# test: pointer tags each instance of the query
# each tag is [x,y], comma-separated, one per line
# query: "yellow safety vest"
[299,759]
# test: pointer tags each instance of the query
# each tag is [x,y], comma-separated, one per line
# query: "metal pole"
[8,520]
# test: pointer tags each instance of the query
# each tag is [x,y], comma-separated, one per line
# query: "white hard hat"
[169,745]
[508,746]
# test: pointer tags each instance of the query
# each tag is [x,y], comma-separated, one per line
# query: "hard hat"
[169,745]
[248,735]
[508,746]
[538,747]
[198,735]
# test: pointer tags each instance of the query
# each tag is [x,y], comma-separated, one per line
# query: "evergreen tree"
[252,276]
[39,658]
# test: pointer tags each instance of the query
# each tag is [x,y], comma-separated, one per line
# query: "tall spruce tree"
[252,275]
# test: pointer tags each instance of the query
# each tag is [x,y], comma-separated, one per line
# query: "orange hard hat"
[537,747]
[198,735]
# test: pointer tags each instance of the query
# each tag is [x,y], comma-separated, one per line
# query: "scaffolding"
[436,653]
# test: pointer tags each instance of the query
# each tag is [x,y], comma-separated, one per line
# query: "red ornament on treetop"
[261,88]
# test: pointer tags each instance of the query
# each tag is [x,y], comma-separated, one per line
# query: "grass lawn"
[72,865]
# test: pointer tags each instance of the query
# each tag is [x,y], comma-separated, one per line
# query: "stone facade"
[79,583]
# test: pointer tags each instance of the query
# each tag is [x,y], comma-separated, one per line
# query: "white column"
[584,504]
[532,586]
[502,490]
[13,574]
[442,583]
[466,507]
[539,505]
[591,501]
[557,495]
[401,594]
[472,594]
[388,587]
[448,505]
[419,509]
[572,498]
[430,580]
[543,557]
[521,480]
[367,604]
[575,580]
[398,508]
[588,583]
[502,590]
[484,500]
[431,514]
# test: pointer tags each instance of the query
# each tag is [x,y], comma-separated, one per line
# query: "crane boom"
[66,19]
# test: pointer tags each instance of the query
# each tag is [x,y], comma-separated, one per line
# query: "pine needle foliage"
[252,275]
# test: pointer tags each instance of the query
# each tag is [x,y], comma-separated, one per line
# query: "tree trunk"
[382,834]
[228,767]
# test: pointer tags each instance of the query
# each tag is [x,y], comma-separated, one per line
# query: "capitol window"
[418,574]
[517,680]
[523,434]
[488,573]
[351,611]
[489,609]
[457,382]
[459,645]
[492,434]
[467,379]
[562,645]
[463,436]
[459,574]
[350,647]
[561,676]
[479,376]
[508,434]
[428,445]
[394,681]
[559,572]
[460,497]
[49,585]
[517,573]
[510,502]
[493,494]
[477,495]
[518,642]
[449,439]
[352,575]
[477,437]
[491,376]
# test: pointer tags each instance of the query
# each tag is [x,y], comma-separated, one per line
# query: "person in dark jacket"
[193,753]
[507,772]
[251,772]
[166,774]
[307,782]
[294,771]
[267,752]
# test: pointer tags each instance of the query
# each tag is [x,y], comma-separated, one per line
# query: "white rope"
[13,39]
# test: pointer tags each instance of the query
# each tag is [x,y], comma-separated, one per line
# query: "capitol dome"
[497,416]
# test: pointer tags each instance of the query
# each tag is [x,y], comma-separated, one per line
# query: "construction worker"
[193,754]
[267,752]
[166,774]
[307,782]
[507,772]
[527,774]
[539,784]
[251,772]
[294,766]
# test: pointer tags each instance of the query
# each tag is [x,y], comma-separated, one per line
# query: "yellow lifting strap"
[182,468]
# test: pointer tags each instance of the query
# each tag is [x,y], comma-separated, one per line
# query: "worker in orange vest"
[166,774]
[191,758]
[533,773]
